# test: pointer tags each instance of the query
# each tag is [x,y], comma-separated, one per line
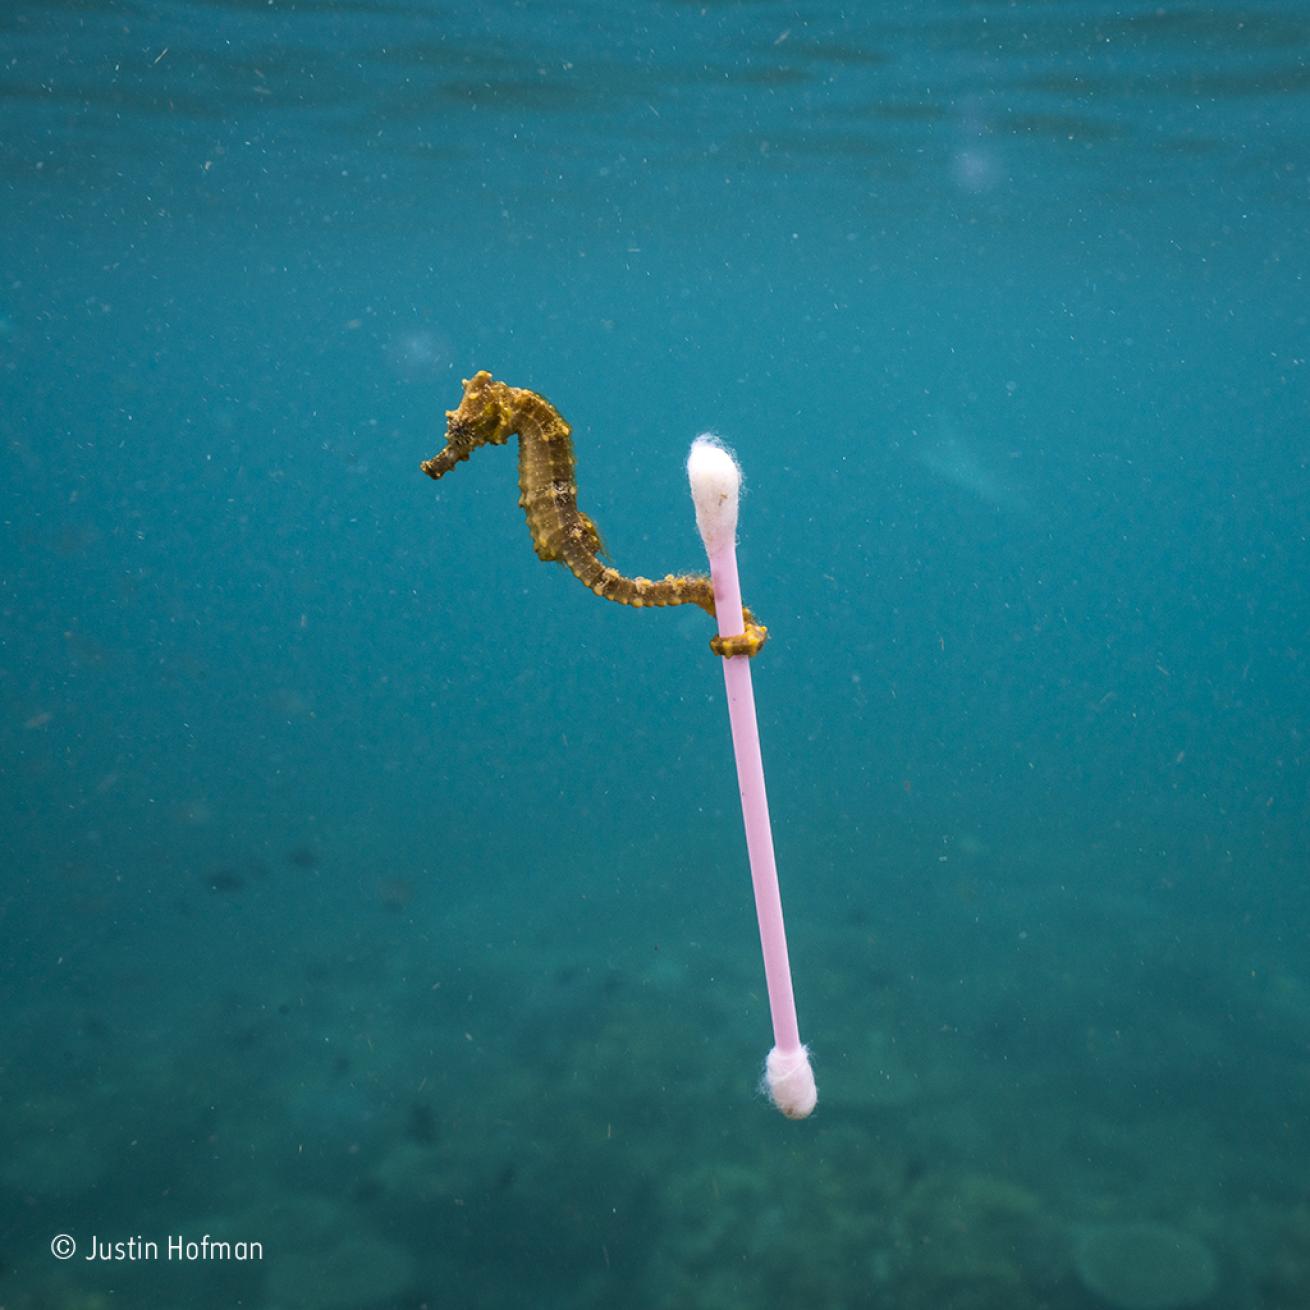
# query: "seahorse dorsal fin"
[594,538]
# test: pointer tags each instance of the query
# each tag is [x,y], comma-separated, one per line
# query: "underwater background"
[373,892]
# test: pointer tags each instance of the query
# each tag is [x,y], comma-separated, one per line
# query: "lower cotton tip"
[789,1081]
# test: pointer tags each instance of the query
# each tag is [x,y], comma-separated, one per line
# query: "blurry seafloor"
[372,892]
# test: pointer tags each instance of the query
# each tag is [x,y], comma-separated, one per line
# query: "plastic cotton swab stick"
[716,489]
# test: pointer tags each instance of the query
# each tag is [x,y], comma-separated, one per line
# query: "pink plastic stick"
[755,802]
[788,1076]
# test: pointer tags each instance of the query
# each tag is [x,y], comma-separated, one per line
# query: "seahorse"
[488,415]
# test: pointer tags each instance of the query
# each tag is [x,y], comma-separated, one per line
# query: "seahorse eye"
[465,431]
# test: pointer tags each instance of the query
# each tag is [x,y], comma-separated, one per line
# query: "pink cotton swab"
[715,490]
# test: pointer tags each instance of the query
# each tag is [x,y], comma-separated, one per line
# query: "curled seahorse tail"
[580,559]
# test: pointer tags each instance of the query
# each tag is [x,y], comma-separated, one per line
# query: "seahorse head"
[482,418]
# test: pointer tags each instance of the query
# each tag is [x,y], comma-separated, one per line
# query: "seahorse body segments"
[488,415]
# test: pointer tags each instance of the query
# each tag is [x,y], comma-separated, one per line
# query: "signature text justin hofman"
[175,1247]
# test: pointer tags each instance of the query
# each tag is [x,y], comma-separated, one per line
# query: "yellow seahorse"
[488,415]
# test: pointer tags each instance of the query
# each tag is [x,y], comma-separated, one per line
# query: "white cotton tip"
[789,1080]
[715,489]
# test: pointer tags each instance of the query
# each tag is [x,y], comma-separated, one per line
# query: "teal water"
[374,893]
